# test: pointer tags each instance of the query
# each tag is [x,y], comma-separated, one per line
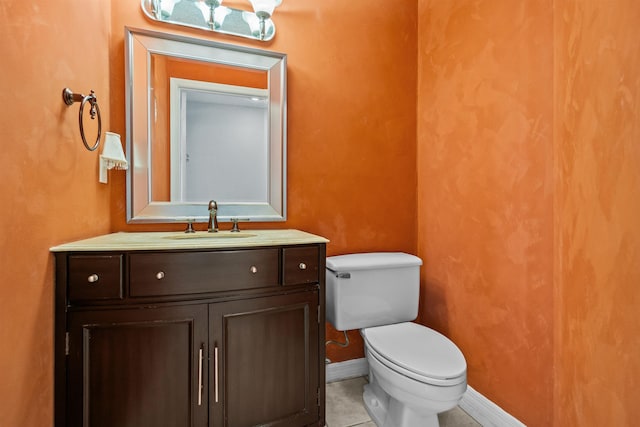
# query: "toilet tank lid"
[371,260]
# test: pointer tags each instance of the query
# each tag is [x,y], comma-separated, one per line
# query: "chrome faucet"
[213,217]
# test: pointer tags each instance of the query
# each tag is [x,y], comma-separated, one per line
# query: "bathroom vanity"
[207,329]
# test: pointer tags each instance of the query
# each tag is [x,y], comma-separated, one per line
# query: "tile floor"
[345,408]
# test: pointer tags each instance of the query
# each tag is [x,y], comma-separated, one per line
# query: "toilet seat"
[417,352]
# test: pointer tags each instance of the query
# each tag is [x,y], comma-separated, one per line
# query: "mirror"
[205,121]
[210,15]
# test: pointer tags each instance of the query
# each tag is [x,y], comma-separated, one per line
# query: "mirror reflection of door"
[172,75]
[211,124]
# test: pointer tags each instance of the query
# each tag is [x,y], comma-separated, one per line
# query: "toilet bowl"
[414,372]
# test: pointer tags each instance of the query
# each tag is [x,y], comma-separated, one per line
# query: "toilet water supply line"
[338,343]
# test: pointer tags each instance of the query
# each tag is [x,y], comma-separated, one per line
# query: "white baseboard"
[344,370]
[483,410]
[486,412]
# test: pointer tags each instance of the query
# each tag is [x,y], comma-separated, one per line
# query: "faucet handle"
[212,226]
[190,229]
[235,221]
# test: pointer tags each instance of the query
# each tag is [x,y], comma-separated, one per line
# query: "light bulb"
[264,8]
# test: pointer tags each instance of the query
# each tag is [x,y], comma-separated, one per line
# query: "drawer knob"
[253,269]
[160,275]
[302,266]
[93,278]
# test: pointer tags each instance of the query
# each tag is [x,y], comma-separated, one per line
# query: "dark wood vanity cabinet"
[137,367]
[200,338]
[267,361]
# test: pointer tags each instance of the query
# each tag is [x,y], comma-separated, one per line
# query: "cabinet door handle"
[160,275]
[302,266]
[215,368]
[253,269]
[93,278]
[200,386]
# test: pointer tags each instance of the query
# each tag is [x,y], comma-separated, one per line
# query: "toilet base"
[385,411]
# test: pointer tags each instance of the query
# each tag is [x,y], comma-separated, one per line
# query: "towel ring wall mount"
[69,98]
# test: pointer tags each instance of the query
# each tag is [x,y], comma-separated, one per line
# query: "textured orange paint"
[597,216]
[195,70]
[485,223]
[544,305]
[161,129]
[50,191]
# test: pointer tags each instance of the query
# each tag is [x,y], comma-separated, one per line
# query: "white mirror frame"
[139,46]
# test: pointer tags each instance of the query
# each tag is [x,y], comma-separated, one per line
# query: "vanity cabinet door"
[264,361]
[138,367]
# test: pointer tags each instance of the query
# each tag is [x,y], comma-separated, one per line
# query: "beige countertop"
[198,240]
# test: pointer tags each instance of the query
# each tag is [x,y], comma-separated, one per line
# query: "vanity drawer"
[95,277]
[300,265]
[157,274]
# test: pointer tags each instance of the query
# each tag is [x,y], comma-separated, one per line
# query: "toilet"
[414,372]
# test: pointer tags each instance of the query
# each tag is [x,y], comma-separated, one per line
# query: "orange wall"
[50,191]
[528,201]
[351,149]
[597,148]
[485,221]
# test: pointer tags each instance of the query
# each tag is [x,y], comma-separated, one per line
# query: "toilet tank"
[372,289]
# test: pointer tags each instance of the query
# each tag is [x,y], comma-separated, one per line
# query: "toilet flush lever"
[343,275]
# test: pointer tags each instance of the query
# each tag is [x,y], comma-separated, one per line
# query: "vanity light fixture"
[263,10]
[214,16]
[216,13]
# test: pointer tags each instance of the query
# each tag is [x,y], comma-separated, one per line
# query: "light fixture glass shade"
[219,15]
[253,21]
[264,8]
[112,156]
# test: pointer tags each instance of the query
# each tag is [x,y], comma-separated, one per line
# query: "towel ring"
[69,98]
